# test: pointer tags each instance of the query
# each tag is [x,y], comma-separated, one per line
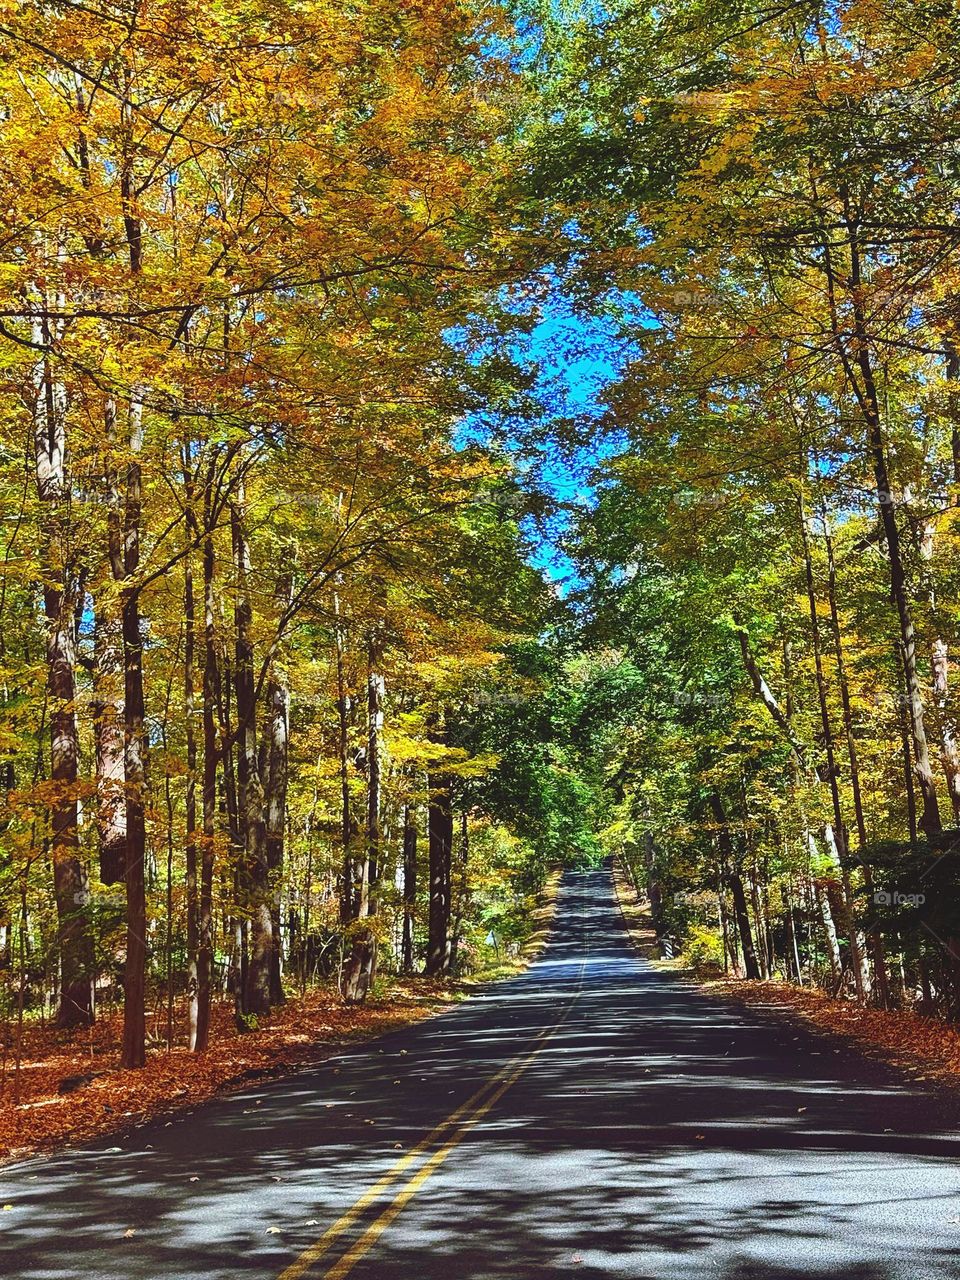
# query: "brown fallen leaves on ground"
[927,1047]
[36,1116]
[304,1030]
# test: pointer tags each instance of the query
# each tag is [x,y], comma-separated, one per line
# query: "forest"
[330,620]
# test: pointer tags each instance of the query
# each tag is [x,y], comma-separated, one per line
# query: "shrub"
[703,951]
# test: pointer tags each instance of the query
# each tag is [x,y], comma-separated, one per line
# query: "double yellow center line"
[439,1142]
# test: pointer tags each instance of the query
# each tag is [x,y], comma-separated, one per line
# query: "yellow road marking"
[482,1100]
[320,1246]
[365,1243]
[376,1229]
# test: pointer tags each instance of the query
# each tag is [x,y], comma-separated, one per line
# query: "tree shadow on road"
[657,1133]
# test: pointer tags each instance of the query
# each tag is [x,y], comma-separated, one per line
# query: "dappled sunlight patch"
[927,1047]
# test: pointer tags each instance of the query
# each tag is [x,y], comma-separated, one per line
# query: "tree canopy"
[284,699]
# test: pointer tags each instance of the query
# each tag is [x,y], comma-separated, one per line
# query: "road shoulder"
[925,1049]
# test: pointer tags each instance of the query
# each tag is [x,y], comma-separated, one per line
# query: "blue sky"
[574,358]
[577,359]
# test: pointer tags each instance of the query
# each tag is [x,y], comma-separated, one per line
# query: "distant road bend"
[591,1118]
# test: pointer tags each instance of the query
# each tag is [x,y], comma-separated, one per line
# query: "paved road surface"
[593,1118]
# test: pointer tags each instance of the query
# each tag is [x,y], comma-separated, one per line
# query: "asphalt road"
[592,1118]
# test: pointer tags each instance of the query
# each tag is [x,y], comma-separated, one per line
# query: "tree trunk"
[440,836]
[348,901]
[861,979]
[869,401]
[211,752]
[940,670]
[880,985]
[276,734]
[189,697]
[255,877]
[409,889]
[734,879]
[830,932]
[929,816]
[74,943]
[135,968]
[463,893]
[908,773]
[750,963]
[108,731]
[940,666]
[792,937]
[362,963]
[654,893]
[759,933]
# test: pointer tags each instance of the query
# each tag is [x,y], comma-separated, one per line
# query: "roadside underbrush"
[68,1086]
[927,1048]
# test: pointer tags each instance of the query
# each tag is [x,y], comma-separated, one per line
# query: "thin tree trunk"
[211,753]
[868,399]
[728,958]
[348,904]
[440,836]
[940,670]
[734,879]
[189,697]
[908,772]
[654,893]
[256,877]
[881,986]
[463,893]
[758,929]
[168,940]
[135,969]
[125,561]
[362,963]
[74,942]
[792,936]
[276,735]
[409,889]
[861,980]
